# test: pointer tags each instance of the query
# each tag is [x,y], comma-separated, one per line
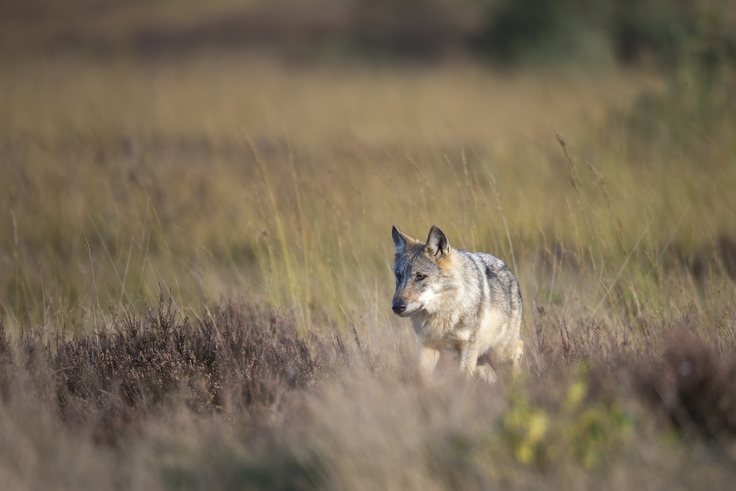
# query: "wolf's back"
[502,282]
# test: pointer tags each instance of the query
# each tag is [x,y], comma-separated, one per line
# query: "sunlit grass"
[148,176]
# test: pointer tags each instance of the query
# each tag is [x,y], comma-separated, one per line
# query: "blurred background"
[663,33]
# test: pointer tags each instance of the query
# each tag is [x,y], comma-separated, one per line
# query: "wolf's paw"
[486,374]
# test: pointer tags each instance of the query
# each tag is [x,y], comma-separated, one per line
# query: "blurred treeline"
[667,33]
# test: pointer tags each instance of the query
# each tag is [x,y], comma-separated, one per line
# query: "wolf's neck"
[455,309]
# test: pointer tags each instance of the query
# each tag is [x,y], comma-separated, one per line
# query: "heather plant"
[243,400]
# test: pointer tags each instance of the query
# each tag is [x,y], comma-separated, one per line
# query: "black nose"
[398,306]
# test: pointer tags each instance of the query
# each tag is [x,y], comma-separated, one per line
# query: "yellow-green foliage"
[525,427]
[588,430]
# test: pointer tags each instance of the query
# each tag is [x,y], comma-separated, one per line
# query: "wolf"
[465,302]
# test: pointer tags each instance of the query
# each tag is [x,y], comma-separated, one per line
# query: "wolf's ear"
[437,243]
[400,239]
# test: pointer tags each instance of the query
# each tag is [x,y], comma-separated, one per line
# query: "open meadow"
[195,273]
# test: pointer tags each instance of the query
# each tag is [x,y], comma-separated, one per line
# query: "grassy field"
[195,275]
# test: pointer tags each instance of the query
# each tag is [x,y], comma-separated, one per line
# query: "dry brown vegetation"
[258,196]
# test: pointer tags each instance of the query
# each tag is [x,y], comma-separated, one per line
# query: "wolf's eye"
[398,276]
[420,276]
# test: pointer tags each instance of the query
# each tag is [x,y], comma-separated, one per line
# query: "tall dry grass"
[236,179]
[216,176]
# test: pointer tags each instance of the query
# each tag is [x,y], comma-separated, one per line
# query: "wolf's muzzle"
[399,307]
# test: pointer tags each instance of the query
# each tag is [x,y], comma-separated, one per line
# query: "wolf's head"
[419,272]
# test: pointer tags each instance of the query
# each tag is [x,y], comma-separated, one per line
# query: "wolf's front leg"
[469,357]
[427,361]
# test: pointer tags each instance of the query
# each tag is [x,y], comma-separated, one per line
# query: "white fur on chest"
[439,335]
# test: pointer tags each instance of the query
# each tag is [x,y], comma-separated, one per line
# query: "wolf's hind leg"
[517,357]
[486,374]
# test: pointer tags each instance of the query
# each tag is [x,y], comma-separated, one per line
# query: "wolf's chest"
[454,333]
[441,335]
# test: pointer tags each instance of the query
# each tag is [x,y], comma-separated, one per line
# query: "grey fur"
[465,302]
